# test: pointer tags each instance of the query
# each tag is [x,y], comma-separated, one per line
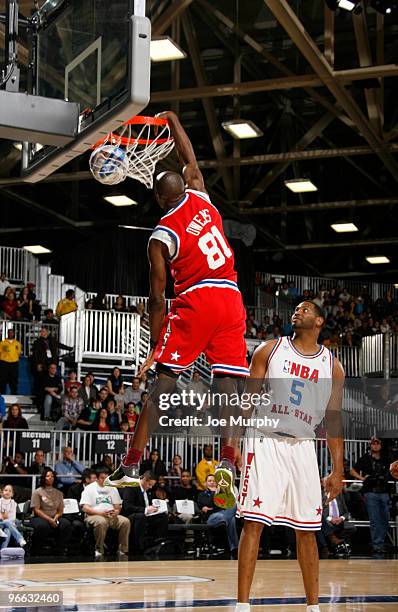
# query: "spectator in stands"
[87,391]
[102,421]
[16,467]
[133,393]
[140,405]
[115,382]
[89,305]
[205,467]
[146,523]
[374,471]
[48,506]
[27,305]
[50,390]
[45,350]
[49,317]
[10,351]
[120,304]
[104,396]
[99,302]
[115,415]
[185,488]
[175,471]
[335,513]
[102,506]
[8,518]
[154,465]
[215,517]
[68,470]
[4,283]
[87,416]
[105,461]
[131,416]
[67,304]
[72,381]
[9,304]
[76,490]
[72,406]
[38,465]
[14,419]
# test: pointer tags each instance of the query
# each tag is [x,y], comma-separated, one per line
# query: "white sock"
[313,608]
[242,607]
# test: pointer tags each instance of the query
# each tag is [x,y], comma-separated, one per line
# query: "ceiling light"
[378,259]
[395,285]
[347,5]
[300,185]
[135,227]
[120,200]
[240,129]
[37,249]
[384,7]
[164,49]
[344,227]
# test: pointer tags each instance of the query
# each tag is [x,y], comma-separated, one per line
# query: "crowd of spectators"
[349,317]
[139,517]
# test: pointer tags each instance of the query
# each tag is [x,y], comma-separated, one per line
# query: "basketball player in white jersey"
[280,482]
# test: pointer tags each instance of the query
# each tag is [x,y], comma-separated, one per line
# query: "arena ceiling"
[323,88]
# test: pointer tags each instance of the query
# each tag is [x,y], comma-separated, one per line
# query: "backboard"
[94,53]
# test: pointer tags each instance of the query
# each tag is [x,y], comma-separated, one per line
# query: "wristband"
[153,343]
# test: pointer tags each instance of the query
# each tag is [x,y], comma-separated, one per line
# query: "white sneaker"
[122,556]
[98,554]
[242,607]
[22,542]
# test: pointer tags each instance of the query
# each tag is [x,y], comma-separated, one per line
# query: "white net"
[133,152]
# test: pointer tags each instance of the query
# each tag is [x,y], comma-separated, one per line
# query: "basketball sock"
[313,608]
[228,452]
[133,457]
[242,607]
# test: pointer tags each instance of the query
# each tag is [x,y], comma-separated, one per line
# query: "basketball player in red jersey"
[208,313]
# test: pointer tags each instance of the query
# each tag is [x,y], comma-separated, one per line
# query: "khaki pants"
[101,524]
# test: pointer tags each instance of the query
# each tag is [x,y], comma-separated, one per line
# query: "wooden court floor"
[350,585]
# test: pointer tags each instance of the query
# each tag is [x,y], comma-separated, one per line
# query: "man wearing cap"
[374,470]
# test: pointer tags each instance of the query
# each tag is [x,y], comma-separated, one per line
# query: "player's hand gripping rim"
[333,486]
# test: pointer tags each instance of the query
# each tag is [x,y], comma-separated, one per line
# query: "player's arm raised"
[258,370]
[157,255]
[192,174]
[334,432]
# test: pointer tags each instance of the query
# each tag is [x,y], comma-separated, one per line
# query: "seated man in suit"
[148,524]
[334,517]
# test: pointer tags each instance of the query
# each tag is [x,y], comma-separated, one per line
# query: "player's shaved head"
[169,188]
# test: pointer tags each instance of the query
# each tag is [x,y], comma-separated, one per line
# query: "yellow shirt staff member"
[205,467]
[67,304]
[10,351]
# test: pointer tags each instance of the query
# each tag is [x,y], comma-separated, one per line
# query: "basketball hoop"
[134,151]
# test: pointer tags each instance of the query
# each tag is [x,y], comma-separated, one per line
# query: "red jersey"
[199,251]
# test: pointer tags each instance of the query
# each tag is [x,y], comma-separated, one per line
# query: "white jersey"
[299,388]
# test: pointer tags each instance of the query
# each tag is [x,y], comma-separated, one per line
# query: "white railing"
[131,300]
[85,445]
[18,265]
[105,335]
[372,353]
[314,283]
[25,332]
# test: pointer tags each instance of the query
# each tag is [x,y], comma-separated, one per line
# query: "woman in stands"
[9,304]
[175,471]
[154,464]
[115,382]
[14,419]
[8,519]
[102,421]
[120,304]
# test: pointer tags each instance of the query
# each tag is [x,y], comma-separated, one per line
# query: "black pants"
[9,376]
[43,531]
[147,529]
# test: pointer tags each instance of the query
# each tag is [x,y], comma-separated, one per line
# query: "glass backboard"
[95,53]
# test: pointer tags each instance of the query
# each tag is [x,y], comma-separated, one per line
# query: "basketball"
[109,165]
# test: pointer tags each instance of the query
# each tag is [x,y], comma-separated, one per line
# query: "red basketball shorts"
[209,320]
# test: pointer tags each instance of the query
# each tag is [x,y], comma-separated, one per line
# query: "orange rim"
[137,120]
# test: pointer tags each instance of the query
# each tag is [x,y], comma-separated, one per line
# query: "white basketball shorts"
[280,483]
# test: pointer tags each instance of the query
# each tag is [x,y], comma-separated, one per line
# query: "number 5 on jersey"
[215,248]
[297,395]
